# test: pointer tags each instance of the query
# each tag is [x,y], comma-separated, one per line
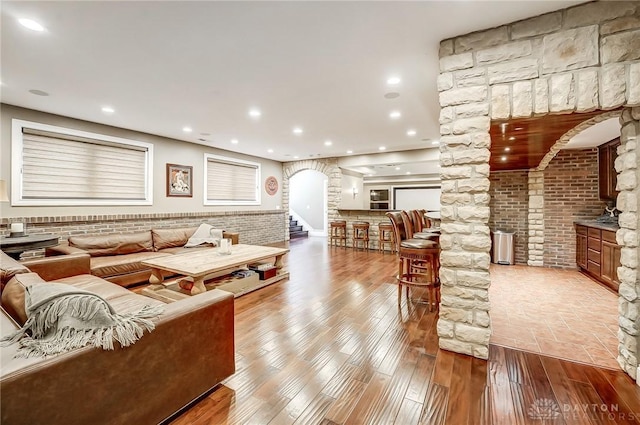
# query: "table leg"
[198,286]
[278,262]
[156,277]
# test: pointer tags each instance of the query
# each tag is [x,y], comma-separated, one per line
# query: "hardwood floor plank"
[345,401]
[409,413]
[331,346]
[459,390]
[369,402]
[434,408]
[479,401]
[613,405]
[421,379]
[443,368]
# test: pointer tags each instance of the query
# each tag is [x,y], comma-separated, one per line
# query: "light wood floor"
[331,346]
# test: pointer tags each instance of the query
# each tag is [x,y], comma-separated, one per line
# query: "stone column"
[464,324]
[536,218]
[629,301]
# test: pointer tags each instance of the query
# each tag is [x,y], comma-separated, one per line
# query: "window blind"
[68,167]
[231,182]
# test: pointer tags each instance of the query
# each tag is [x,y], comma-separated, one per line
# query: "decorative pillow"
[205,234]
[9,268]
[13,295]
[115,244]
[170,238]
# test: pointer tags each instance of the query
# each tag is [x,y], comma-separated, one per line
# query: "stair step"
[293,222]
[295,228]
[298,234]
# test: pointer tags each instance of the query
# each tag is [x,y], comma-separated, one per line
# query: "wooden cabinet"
[598,254]
[607,175]
[581,246]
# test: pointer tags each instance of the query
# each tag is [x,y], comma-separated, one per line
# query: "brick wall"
[570,193]
[254,227]
[509,207]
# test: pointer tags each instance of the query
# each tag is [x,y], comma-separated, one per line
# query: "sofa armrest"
[57,267]
[63,249]
[190,351]
[234,236]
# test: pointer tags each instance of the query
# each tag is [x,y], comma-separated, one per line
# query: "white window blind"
[231,182]
[73,168]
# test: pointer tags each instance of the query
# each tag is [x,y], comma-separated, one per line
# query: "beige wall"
[165,151]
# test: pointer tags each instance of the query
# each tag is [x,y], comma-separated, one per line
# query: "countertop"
[597,224]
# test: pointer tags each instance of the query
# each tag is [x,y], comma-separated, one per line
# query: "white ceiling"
[322,66]
[596,135]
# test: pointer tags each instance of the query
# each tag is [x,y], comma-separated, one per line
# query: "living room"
[273,89]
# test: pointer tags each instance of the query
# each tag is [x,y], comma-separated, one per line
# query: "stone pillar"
[536,218]
[464,324]
[629,301]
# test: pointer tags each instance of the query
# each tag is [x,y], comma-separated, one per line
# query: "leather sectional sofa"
[117,257]
[190,351]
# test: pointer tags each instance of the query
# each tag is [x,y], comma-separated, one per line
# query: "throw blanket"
[204,234]
[61,318]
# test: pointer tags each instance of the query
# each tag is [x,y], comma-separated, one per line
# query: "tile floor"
[560,313]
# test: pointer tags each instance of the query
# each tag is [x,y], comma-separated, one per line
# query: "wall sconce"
[354,190]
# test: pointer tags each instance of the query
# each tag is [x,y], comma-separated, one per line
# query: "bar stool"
[418,261]
[360,234]
[385,236]
[338,233]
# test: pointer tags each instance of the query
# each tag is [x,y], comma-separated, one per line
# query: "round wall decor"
[271,185]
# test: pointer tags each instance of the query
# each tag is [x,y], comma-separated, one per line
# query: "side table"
[14,247]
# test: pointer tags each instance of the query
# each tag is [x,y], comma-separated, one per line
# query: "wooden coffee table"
[202,262]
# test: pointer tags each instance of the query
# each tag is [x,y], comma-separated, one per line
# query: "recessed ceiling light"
[393,81]
[108,110]
[31,24]
[328,143]
[382,148]
[297,130]
[39,92]
[435,142]
[395,115]
[397,168]
[391,95]
[507,149]
[408,172]
[349,151]
[270,150]
[512,138]
[504,158]
[411,133]
[295,157]
[187,129]
[255,113]
[234,141]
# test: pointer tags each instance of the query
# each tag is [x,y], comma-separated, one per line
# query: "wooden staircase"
[295,230]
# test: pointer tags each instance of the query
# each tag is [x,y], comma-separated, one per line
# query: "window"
[59,166]
[230,181]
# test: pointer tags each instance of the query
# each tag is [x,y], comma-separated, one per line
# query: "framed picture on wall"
[179,180]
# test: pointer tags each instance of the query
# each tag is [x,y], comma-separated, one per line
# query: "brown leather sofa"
[117,257]
[190,351]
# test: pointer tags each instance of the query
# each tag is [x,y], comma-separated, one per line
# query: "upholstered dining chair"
[418,261]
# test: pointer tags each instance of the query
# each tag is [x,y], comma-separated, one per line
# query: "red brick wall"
[570,193]
[510,207]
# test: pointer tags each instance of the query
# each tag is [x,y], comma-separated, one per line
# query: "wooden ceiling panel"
[521,143]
